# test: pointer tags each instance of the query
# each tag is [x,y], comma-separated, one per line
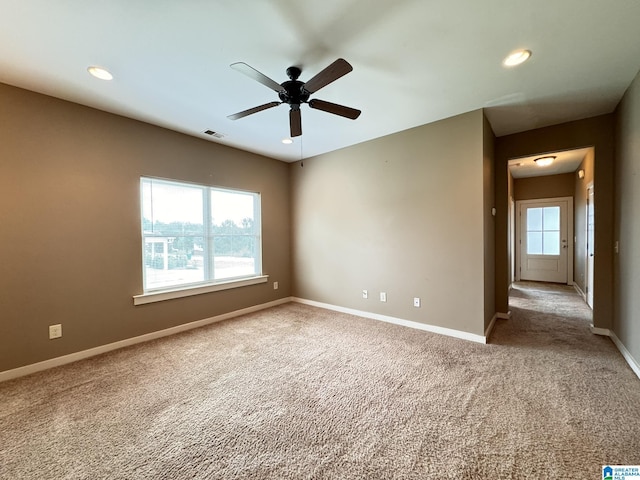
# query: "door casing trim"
[570,233]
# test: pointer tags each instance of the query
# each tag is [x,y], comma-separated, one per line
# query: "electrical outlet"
[383,296]
[416,302]
[275,285]
[55,331]
[365,294]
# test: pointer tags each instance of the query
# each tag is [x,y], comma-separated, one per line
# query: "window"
[543,231]
[196,235]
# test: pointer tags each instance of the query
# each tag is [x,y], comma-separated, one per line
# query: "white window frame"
[208,285]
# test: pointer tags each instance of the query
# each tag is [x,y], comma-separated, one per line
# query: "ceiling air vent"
[213,134]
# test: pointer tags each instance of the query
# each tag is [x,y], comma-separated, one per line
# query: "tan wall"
[627,229]
[400,214]
[70,224]
[596,132]
[511,229]
[550,186]
[580,219]
[488,171]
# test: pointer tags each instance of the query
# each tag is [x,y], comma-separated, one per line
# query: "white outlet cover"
[416,301]
[55,331]
[365,294]
[383,297]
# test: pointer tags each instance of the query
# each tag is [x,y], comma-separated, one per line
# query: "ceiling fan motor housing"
[294,93]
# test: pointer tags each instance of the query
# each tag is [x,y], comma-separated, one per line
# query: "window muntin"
[196,234]
[543,231]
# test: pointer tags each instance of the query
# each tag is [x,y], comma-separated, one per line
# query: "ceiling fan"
[294,92]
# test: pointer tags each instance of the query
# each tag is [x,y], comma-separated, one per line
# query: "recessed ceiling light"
[287,141]
[100,73]
[544,161]
[516,58]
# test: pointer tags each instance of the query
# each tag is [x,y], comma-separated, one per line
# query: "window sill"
[162,295]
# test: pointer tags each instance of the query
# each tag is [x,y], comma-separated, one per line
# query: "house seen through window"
[195,234]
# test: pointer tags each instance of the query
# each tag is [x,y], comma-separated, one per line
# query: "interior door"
[544,241]
[590,244]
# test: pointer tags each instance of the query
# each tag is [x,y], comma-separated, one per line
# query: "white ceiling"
[566,161]
[415,62]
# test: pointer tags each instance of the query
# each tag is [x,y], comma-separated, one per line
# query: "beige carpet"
[299,392]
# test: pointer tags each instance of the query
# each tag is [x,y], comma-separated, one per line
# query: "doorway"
[544,250]
[569,175]
[590,257]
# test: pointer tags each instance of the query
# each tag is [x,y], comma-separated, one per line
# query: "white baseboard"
[397,321]
[635,366]
[580,292]
[605,332]
[92,352]
[487,332]
[74,357]
[492,323]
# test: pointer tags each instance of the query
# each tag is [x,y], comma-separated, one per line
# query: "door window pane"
[551,243]
[551,218]
[543,231]
[534,219]
[534,243]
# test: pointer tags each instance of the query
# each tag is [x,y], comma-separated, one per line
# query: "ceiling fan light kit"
[294,92]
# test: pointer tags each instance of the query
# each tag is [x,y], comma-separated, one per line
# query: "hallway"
[550,303]
[584,382]
[545,314]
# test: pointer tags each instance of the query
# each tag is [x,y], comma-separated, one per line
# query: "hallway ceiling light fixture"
[516,58]
[100,73]
[287,141]
[544,161]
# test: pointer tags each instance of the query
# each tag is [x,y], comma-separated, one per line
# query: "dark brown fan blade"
[250,111]
[333,72]
[334,108]
[251,72]
[295,122]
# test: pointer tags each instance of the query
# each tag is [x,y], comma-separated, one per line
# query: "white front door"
[544,240]
[590,244]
